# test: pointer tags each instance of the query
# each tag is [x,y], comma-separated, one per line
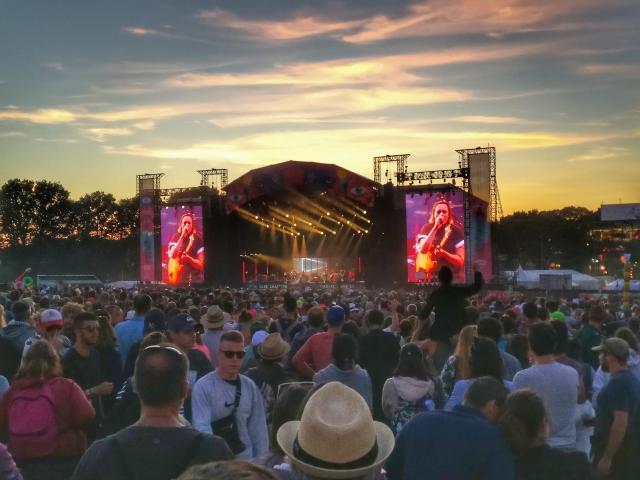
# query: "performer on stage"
[440,242]
[186,253]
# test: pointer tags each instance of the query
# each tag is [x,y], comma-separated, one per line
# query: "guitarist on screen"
[186,253]
[440,242]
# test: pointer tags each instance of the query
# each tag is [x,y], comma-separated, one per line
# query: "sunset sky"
[93,93]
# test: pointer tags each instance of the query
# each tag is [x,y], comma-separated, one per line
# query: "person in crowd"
[590,335]
[458,365]
[44,416]
[10,358]
[82,365]
[116,315]
[110,360]
[3,318]
[525,427]
[270,372]
[315,321]
[213,322]
[155,320]
[485,361]
[126,408]
[336,437]
[378,355]
[181,332]
[601,377]
[158,446]
[69,311]
[463,444]
[251,354]
[8,468]
[518,346]
[229,470]
[558,385]
[20,329]
[448,302]
[49,327]
[288,324]
[616,440]
[530,316]
[315,354]
[493,328]
[229,404]
[132,330]
[287,407]
[410,390]
[344,368]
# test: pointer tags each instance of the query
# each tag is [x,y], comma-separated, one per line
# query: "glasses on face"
[239,354]
[163,347]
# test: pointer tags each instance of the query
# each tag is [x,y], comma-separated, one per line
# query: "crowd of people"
[308,383]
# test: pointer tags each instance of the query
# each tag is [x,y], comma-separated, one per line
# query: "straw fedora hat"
[214,317]
[273,347]
[336,436]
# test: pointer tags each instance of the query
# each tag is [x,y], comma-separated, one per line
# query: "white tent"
[531,278]
[618,285]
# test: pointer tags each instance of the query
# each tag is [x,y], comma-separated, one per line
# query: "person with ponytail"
[525,427]
[344,368]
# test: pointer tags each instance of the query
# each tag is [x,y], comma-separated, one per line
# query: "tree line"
[41,227]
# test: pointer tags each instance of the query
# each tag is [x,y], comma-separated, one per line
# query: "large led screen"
[183,254]
[435,234]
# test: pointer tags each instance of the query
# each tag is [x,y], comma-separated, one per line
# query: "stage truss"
[495,205]
[399,160]
[214,178]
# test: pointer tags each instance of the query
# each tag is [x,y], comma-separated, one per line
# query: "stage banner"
[183,252]
[147,249]
[480,238]
[435,234]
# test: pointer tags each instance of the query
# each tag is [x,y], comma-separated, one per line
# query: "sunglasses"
[239,354]
[163,347]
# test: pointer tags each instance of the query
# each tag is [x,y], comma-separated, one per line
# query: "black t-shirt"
[149,453]
[546,463]
[85,371]
[622,393]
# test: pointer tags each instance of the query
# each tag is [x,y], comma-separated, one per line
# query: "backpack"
[407,410]
[33,427]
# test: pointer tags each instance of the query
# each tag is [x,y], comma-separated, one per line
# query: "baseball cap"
[335,315]
[182,323]
[51,318]
[614,346]
[259,337]
[557,316]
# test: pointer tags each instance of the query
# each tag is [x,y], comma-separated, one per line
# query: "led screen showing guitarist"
[439,242]
[185,252]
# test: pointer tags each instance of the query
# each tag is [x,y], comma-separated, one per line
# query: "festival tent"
[531,278]
[618,285]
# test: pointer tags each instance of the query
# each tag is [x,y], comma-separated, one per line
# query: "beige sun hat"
[336,436]
[214,318]
[273,347]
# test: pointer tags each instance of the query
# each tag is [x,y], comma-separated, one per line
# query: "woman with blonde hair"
[43,415]
[458,366]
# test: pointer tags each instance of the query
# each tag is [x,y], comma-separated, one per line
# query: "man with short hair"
[530,316]
[20,329]
[132,330]
[557,385]
[462,444]
[450,317]
[492,328]
[82,365]
[616,440]
[288,324]
[315,354]
[159,446]
[225,396]
[181,332]
[315,321]
[590,335]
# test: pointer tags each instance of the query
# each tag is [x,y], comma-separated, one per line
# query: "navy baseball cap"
[182,323]
[335,315]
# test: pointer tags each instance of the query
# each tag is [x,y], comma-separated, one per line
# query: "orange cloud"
[141,31]
[610,68]
[295,28]
[50,116]
[491,120]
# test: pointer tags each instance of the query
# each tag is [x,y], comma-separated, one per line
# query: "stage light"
[364,211]
[287,215]
[256,217]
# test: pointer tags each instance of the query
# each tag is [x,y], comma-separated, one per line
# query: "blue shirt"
[460,388]
[128,333]
[456,445]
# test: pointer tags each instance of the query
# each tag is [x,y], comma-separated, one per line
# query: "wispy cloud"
[631,69]
[101,134]
[492,120]
[600,153]
[49,116]
[12,134]
[58,66]
[151,32]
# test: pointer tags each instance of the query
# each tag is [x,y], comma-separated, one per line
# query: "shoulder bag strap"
[236,402]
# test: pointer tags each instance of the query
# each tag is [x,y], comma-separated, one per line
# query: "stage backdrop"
[435,234]
[176,272]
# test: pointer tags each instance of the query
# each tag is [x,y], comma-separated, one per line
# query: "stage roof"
[304,177]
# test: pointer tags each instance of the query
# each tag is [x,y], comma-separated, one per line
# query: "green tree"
[17,208]
[97,216]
